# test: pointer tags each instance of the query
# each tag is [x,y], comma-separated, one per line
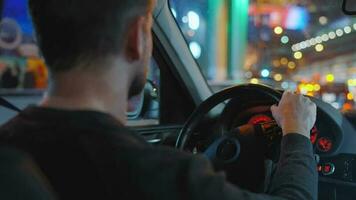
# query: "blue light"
[17,10]
[265,73]
[297,18]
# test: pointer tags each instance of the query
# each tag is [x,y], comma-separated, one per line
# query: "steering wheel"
[238,151]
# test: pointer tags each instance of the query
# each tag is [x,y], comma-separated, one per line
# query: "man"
[97,54]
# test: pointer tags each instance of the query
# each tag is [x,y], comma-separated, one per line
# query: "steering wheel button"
[328,169]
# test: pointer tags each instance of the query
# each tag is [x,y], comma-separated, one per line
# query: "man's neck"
[96,91]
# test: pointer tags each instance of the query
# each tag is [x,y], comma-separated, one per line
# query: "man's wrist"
[287,131]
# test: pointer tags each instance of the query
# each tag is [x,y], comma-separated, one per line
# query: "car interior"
[228,121]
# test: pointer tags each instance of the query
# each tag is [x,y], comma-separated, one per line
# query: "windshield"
[301,45]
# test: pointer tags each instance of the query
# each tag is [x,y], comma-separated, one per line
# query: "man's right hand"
[295,114]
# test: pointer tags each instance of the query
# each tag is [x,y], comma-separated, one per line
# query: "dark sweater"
[90,155]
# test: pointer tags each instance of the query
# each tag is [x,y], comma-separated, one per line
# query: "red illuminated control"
[259,119]
[313,135]
[328,169]
[324,144]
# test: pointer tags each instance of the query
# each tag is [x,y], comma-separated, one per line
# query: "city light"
[332,35]
[248,74]
[265,73]
[278,77]
[193,20]
[339,32]
[195,48]
[285,39]
[278,30]
[323,38]
[351,82]
[330,78]
[284,61]
[309,88]
[317,87]
[276,63]
[347,29]
[319,40]
[323,20]
[319,47]
[350,96]
[313,41]
[298,55]
[291,65]
[254,81]
[285,85]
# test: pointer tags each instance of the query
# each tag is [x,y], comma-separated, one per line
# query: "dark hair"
[73,31]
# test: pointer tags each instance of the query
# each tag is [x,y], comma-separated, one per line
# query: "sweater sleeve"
[296,177]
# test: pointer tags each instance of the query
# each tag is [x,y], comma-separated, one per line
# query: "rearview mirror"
[349,7]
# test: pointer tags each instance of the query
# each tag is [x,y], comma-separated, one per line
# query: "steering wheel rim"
[217,98]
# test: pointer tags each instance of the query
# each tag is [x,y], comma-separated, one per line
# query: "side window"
[24,75]
[21,66]
[143,109]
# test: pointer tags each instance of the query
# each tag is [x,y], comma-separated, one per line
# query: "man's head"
[82,34]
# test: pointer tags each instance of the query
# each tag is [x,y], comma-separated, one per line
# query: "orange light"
[310,94]
[291,65]
[284,61]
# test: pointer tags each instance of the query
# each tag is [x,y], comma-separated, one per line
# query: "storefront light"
[355,26]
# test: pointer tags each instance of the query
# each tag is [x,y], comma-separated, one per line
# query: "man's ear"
[135,42]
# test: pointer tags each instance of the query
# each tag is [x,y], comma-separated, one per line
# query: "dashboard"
[333,137]
[325,141]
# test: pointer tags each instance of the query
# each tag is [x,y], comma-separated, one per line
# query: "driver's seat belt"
[8,105]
